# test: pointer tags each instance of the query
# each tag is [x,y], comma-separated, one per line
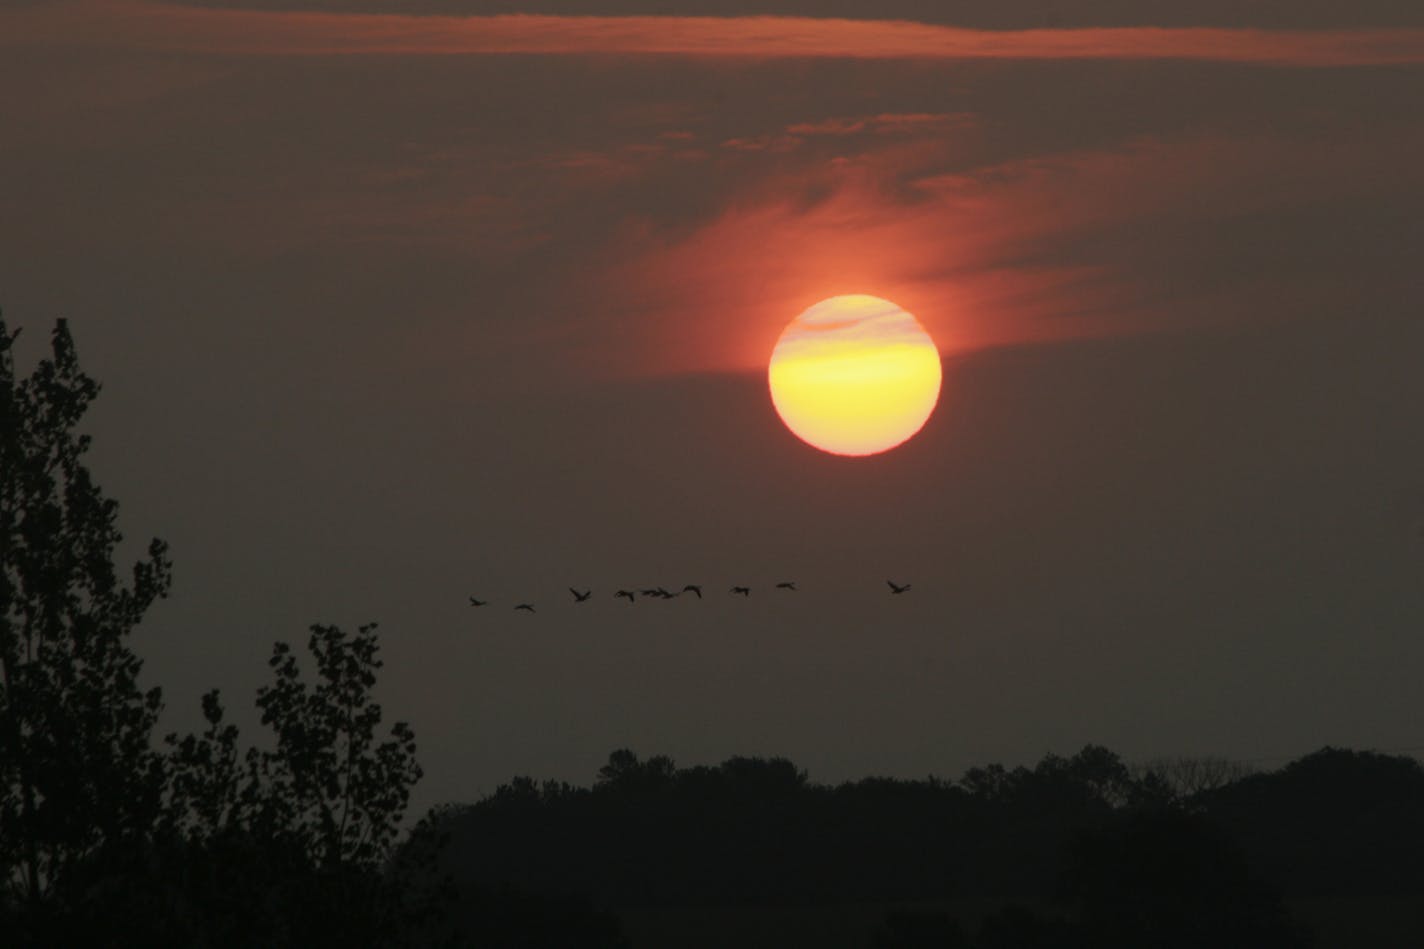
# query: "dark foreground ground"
[1392,922]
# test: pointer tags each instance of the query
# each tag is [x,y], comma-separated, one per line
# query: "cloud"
[1152,235]
[762,143]
[887,123]
[164,27]
[843,128]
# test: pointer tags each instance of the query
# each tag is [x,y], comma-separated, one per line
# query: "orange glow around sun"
[854,375]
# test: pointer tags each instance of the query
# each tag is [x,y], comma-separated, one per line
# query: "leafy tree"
[330,784]
[78,774]
[207,796]
[304,830]
[625,774]
[328,788]
[103,837]
[1335,821]
[1185,778]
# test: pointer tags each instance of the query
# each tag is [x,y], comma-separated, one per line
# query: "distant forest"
[1080,851]
[111,835]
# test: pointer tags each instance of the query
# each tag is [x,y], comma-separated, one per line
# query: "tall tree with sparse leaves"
[78,772]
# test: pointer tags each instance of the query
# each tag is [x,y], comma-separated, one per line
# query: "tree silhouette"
[205,789]
[1171,879]
[78,773]
[304,830]
[330,784]
[1186,778]
[104,838]
[625,774]
[1335,821]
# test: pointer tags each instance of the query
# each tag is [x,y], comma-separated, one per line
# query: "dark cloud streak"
[143,25]
[981,14]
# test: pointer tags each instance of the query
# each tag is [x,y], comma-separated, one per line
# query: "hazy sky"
[391,310]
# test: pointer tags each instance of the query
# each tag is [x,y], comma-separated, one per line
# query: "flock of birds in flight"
[660,593]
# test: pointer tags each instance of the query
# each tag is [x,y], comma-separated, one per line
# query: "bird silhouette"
[525,606]
[895,588]
[580,597]
[628,593]
[744,591]
[693,588]
[786,585]
[475,602]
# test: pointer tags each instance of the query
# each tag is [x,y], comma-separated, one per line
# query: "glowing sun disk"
[854,375]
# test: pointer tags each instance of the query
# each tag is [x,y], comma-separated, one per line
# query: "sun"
[854,375]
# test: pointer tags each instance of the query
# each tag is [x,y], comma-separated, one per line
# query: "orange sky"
[984,256]
[156,26]
[925,202]
[380,331]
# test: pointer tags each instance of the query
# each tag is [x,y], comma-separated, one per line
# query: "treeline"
[1076,851]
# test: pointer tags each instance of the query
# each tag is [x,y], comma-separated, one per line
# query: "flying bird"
[525,606]
[786,585]
[475,602]
[744,591]
[580,597]
[693,588]
[628,593]
[896,588]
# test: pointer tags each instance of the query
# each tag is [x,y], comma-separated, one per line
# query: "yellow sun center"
[854,375]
